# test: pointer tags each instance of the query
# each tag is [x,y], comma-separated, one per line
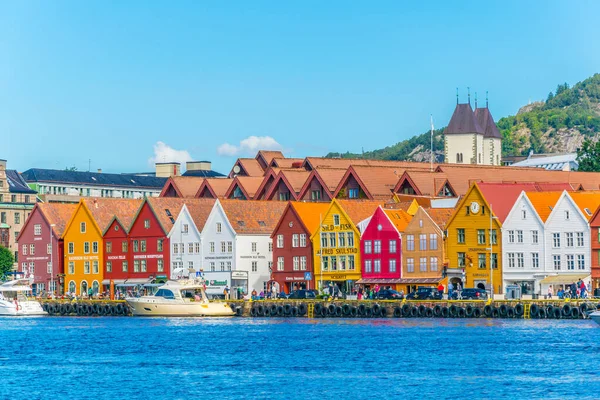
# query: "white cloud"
[250,145]
[165,153]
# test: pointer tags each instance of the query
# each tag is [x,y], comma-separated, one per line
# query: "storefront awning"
[138,281]
[116,281]
[408,281]
[562,279]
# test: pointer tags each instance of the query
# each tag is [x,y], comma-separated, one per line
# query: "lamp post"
[51,262]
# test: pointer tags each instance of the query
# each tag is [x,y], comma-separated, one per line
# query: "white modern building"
[523,246]
[567,242]
[236,238]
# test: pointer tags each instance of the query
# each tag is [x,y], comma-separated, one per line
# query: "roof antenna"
[486,99]
[475,99]
[89,164]
[456,96]
[469,95]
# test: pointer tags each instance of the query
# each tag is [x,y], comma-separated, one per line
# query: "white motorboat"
[14,302]
[595,316]
[182,298]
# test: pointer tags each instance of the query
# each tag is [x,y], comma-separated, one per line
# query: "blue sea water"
[160,358]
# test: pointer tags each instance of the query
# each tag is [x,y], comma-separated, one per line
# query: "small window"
[336,219]
[588,212]
[219,227]
[168,212]
[82,227]
[523,214]
[262,223]
[147,223]
[241,223]
[567,215]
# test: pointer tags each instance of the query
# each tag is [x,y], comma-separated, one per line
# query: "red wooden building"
[292,247]
[381,247]
[148,244]
[41,247]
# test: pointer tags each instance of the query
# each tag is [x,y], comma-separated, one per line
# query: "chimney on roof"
[167,169]
[96,203]
[297,164]
[198,166]
[99,170]
[2,165]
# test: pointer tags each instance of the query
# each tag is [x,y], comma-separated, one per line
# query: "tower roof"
[463,121]
[486,121]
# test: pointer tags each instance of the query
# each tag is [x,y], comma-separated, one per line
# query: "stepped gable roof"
[93,178]
[185,186]
[377,182]
[253,217]
[199,210]
[310,213]
[543,202]
[502,196]
[587,202]
[294,179]
[463,121]
[162,207]
[247,184]
[286,162]
[104,210]
[359,210]
[486,121]
[440,216]
[16,183]
[249,166]
[57,214]
[425,183]
[268,156]
[399,218]
[217,186]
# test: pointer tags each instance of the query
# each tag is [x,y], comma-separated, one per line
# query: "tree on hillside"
[71,169]
[588,156]
[550,96]
[6,261]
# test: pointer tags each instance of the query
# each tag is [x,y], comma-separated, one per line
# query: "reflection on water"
[129,358]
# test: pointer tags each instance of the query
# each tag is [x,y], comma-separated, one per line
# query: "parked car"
[424,293]
[389,294]
[470,294]
[302,294]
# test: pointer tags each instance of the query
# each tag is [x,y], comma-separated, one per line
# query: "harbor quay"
[505,309]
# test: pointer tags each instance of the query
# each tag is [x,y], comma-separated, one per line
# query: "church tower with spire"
[472,137]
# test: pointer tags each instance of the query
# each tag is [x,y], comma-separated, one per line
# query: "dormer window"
[262,223]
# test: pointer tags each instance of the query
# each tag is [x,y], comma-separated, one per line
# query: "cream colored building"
[16,202]
[472,137]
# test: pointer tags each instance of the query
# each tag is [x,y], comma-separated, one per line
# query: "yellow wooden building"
[468,244]
[82,251]
[336,244]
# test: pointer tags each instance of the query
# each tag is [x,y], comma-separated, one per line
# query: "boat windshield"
[166,293]
[192,294]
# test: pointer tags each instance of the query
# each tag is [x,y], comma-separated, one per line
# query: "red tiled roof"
[251,166]
[217,186]
[502,196]
[187,186]
[440,216]
[103,210]
[253,217]
[359,210]
[160,205]
[200,210]
[57,214]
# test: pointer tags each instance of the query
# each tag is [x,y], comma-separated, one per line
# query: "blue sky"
[107,81]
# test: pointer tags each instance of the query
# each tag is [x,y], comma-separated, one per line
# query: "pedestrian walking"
[226,292]
[549,292]
[450,289]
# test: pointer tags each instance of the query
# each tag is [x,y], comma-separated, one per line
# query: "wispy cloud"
[165,153]
[250,145]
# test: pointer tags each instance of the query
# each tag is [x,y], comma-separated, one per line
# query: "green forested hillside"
[560,124]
